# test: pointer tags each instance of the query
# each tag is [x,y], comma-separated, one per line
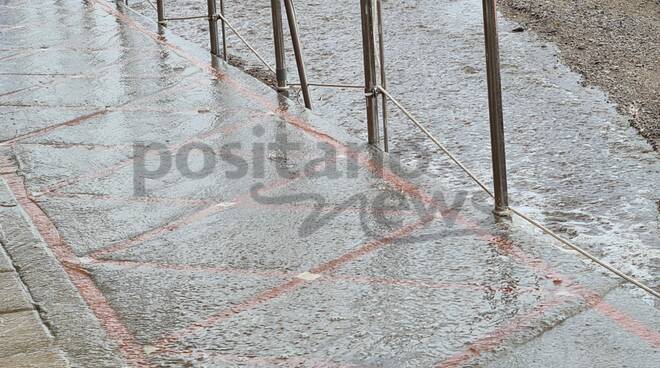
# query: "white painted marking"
[308,276]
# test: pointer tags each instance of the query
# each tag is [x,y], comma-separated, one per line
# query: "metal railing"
[375,86]
[375,82]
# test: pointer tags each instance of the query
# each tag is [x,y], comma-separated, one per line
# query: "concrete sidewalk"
[165,212]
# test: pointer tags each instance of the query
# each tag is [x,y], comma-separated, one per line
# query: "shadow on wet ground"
[183,214]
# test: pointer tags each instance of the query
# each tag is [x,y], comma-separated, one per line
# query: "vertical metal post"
[297,49]
[213,27]
[278,39]
[370,83]
[225,57]
[160,10]
[495,109]
[383,76]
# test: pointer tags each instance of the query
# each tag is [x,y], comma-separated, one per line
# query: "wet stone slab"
[21,332]
[90,224]
[588,339]
[20,120]
[345,324]
[14,295]
[153,309]
[51,359]
[5,262]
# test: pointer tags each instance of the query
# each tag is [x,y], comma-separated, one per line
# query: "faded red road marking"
[371,246]
[328,209]
[131,350]
[631,325]
[230,312]
[150,234]
[422,284]
[194,268]
[149,199]
[493,340]
[50,128]
[19,90]
[330,277]
[498,336]
[83,118]
[288,286]
[215,132]
[403,185]
[268,361]
[19,55]
[592,298]
[185,220]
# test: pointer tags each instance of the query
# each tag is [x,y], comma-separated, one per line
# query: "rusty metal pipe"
[213,27]
[223,25]
[495,109]
[370,74]
[383,76]
[160,11]
[297,49]
[278,40]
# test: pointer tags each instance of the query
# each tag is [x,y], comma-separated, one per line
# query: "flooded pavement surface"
[165,213]
[574,162]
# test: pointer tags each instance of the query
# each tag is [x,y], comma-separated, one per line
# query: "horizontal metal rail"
[188,18]
[517,212]
[330,85]
[219,16]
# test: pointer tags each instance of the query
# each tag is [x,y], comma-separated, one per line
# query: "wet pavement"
[574,161]
[165,212]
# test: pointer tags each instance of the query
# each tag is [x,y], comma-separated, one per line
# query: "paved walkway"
[162,212]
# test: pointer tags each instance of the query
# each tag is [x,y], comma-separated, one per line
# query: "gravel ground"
[614,44]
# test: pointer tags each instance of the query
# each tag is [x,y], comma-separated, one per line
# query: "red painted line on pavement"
[215,132]
[498,336]
[330,278]
[371,246]
[592,298]
[185,220]
[150,199]
[288,286]
[48,129]
[493,340]
[83,118]
[150,234]
[230,312]
[130,349]
[631,325]
[20,90]
[19,55]
[268,361]
[194,268]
